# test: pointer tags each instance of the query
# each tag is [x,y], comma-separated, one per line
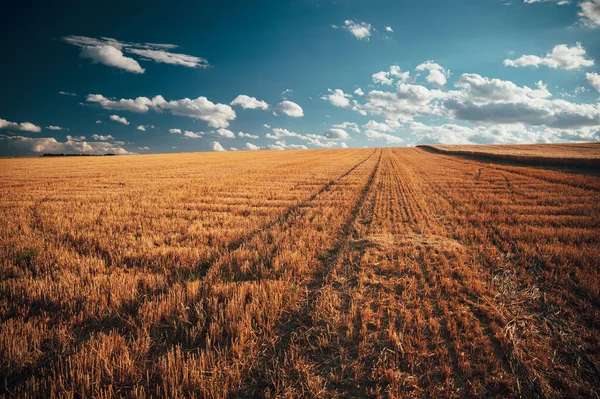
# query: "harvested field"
[330,273]
[584,155]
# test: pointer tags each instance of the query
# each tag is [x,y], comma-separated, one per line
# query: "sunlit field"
[332,273]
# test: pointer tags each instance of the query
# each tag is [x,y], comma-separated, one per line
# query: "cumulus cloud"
[248,102]
[559,2]
[437,74]
[379,130]
[348,126]
[458,134]
[282,145]
[66,93]
[110,52]
[119,119]
[99,137]
[252,147]
[324,141]
[561,57]
[250,136]
[166,57]
[593,79]
[360,30]
[338,98]
[290,109]
[175,131]
[590,13]
[192,135]
[388,138]
[216,115]
[52,127]
[216,146]
[111,56]
[336,134]
[141,128]
[225,133]
[388,77]
[388,29]
[476,99]
[23,126]
[98,122]
[498,101]
[73,145]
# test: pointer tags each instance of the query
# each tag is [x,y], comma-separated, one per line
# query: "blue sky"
[154,77]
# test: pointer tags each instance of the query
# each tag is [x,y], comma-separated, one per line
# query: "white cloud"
[360,30]
[437,74]
[111,56]
[561,57]
[99,137]
[141,128]
[593,79]
[225,133]
[478,100]
[387,78]
[73,145]
[166,57]
[145,148]
[559,2]
[192,135]
[343,145]
[348,126]
[119,119]
[250,136]
[98,122]
[109,52]
[336,134]
[248,102]
[282,145]
[139,105]
[279,133]
[379,126]
[175,131]
[23,126]
[497,101]
[338,98]
[216,115]
[252,147]
[290,108]
[388,29]
[52,127]
[458,134]
[66,93]
[590,13]
[267,126]
[216,146]
[404,104]
[389,139]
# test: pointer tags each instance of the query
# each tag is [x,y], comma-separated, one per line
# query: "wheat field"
[326,273]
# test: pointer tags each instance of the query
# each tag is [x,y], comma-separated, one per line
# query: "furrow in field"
[301,326]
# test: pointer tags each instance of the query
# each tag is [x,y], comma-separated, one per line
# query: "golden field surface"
[330,273]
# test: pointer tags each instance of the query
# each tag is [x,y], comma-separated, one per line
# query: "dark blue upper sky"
[311,74]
